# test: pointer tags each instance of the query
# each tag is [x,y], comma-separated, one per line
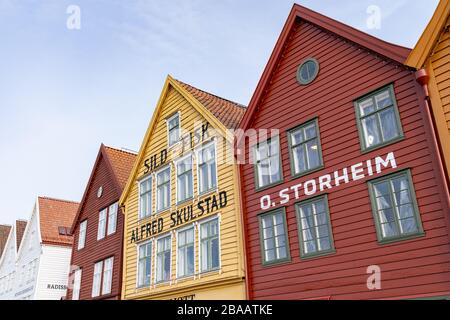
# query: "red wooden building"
[345,199]
[96,265]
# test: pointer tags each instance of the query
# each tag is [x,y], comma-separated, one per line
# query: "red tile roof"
[228,112]
[20,229]
[121,162]
[55,213]
[4,233]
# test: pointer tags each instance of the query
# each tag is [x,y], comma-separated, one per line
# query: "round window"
[308,71]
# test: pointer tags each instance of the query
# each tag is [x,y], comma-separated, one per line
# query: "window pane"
[313,154]
[383,99]
[310,131]
[408,225]
[388,124]
[371,131]
[366,107]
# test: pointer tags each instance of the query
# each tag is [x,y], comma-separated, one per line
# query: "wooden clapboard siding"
[432,52]
[231,258]
[110,165]
[418,267]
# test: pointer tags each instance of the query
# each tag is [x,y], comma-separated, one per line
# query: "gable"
[177,96]
[103,178]
[429,39]
[328,26]
[9,253]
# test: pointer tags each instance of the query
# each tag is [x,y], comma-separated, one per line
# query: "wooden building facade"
[341,191]
[182,215]
[96,262]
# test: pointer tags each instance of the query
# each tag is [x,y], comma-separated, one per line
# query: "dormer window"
[173,129]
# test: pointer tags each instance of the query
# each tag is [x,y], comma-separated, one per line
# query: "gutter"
[423,78]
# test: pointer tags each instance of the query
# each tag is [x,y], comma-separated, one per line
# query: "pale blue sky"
[63,92]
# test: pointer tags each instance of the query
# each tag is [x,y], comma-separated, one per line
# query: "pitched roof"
[20,229]
[430,36]
[4,233]
[228,112]
[55,213]
[391,51]
[220,112]
[119,162]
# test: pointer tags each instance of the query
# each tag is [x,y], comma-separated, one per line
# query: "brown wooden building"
[344,200]
[96,265]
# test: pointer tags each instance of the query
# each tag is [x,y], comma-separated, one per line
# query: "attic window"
[307,71]
[62,231]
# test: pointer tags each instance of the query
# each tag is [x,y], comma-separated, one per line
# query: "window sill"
[318,255]
[402,238]
[382,145]
[305,173]
[183,202]
[276,263]
[259,189]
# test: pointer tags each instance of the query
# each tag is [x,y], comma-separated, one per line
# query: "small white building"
[8,258]
[42,262]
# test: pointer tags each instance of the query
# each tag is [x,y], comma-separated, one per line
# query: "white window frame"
[155,253]
[149,177]
[168,167]
[197,151]
[152,241]
[82,235]
[105,280]
[187,227]
[111,231]
[218,217]
[77,284]
[190,154]
[96,293]
[101,230]
[177,114]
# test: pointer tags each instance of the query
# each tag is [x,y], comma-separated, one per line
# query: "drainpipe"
[422,78]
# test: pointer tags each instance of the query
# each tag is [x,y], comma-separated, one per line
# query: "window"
[101,224]
[273,237]
[184,179]
[395,207]
[112,218]
[305,149]
[163,249]
[173,128]
[207,171]
[267,163]
[163,189]
[97,279]
[308,71]
[107,275]
[102,284]
[145,198]
[144,264]
[82,235]
[314,227]
[185,254]
[76,285]
[378,119]
[209,245]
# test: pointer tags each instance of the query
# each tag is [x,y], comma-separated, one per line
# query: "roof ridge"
[127,151]
[214,95]
[59,200]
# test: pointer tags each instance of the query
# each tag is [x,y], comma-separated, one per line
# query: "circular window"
[308,71]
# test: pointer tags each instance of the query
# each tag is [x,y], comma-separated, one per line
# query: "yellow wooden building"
[183,237]
[432,53]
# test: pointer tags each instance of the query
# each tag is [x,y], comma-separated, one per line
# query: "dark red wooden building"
[345,199]
[96,265]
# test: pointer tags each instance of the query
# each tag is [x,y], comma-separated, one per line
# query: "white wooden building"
[42,262]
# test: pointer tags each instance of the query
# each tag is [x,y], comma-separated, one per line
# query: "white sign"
[355,172]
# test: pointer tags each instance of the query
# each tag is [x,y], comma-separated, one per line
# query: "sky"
[64,91]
